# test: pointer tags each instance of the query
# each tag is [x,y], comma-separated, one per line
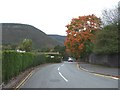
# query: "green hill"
[58,38]
[13,33]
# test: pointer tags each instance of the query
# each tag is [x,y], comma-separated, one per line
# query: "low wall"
[107,60]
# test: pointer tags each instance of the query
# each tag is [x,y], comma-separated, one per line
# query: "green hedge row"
[53,58]
[14,62]
[39,59]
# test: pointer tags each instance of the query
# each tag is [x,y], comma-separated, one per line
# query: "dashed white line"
[61,73]
[63,77]
[58,68]
[62,65]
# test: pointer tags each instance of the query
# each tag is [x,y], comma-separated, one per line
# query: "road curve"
[67,75]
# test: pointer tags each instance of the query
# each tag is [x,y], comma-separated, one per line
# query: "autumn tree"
[80,35]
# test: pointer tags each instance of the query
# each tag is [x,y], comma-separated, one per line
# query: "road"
[67,75]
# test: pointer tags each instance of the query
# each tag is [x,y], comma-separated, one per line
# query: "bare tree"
[110,16]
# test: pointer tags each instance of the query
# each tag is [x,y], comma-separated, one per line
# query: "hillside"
[13,33]
[58,38]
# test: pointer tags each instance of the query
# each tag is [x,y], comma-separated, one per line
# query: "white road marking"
[62,65]
[58,68]
[63,77]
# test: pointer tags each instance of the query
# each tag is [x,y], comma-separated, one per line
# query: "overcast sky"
[50,16]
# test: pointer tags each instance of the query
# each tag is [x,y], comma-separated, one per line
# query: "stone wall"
[107,60]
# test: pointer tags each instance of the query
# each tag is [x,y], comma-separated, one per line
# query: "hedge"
[13,63]
[53,58]
[39,59]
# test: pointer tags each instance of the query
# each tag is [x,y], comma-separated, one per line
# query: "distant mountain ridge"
[14,33]
[58,38]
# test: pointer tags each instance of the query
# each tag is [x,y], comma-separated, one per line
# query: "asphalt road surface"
[67,75]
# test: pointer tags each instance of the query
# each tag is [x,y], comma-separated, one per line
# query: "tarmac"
[97,69]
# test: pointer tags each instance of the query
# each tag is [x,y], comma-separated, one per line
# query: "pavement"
[104,70]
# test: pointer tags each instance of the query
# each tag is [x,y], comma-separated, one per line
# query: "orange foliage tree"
[80,34]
